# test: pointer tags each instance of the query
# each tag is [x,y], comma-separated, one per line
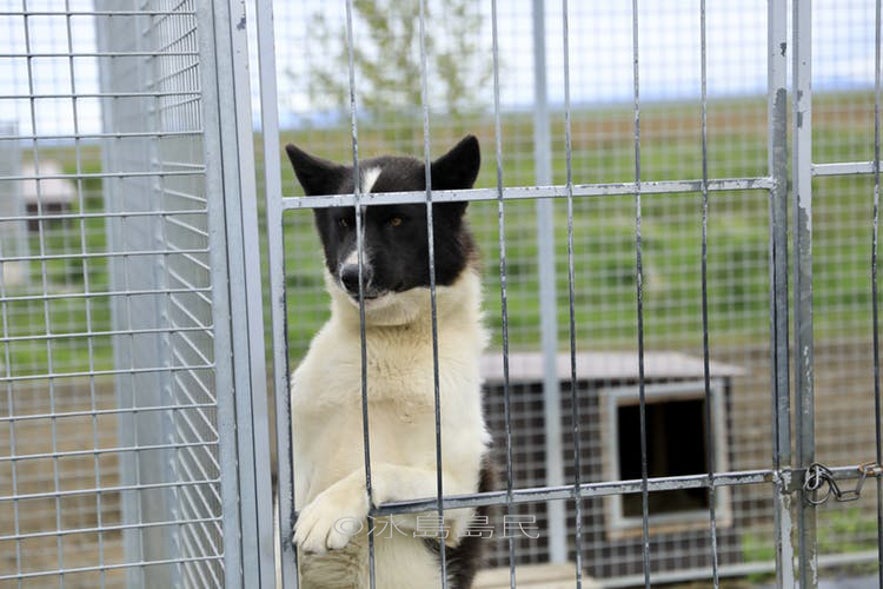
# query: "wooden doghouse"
[607,390]
[45,192]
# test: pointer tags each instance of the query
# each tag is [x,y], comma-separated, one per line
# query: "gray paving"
[869,582]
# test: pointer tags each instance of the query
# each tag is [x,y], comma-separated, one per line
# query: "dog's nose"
[349,277]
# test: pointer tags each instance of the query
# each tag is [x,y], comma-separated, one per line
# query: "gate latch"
[820,484]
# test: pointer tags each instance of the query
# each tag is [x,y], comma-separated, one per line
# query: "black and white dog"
[326,388]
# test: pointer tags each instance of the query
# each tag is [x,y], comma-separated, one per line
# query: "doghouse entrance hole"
[678,439]
[676,445]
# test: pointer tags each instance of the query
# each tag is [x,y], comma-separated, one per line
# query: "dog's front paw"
[331,519]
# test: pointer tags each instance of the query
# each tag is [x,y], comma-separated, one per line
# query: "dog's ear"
[458,168]
[316,175]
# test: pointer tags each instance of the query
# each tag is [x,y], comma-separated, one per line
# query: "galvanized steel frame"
[795,564]
[249,547]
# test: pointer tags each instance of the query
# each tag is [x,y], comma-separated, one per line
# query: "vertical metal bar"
[11,435]
[161,35]
[424,92]
[571,298]
[801,170]
[360,250]
[166,541]
[248,548]
[258,500]
[875,306]
[554,448]
[504,302]
[639,282]
[224,388]
[777,112]
[250,362]
[44,283]
[248,341]
[96,463]
[107,38]
[286,560]
[710,446]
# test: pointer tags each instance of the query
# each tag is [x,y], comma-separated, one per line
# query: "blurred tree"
[387,59]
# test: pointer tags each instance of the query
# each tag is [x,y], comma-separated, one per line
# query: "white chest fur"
[327,392]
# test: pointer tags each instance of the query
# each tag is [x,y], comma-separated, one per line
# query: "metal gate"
[556,403]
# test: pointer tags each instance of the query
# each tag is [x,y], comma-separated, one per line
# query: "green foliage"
[604,236]
[388,63]
[847,530]
[64,264]
[604,231]
[840,531]
[757,547]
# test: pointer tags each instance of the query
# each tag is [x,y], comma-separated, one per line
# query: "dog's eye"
[395,221]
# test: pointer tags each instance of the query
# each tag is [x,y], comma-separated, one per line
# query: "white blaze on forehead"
[369,177]
[353,256]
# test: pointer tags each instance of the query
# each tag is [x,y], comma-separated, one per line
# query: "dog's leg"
[334,516]
[341,510]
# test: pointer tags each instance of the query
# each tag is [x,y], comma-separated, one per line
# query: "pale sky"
[600,54]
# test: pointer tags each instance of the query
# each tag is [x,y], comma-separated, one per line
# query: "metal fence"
[684,200]
[122,460]
[647,176]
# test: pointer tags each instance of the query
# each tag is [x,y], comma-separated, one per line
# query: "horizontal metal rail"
[528,192]
[101,255]
[89,13]
[607,488]
[105,490]
[200,171]
[843,168]
[78,54]
[108,528]
[105,412]
[586,490]
[99,451]
[120,371]
[102,294]
[78,95]
[108,215]
[29,137]
[109,567]
[97,334]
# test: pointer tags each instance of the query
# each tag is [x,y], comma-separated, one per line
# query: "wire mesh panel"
[117,413]
[59,449]
[158,231]
[13,237]
[845,138]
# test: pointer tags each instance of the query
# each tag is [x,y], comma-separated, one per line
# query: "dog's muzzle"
[349,279]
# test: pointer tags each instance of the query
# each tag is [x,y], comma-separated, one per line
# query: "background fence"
[131,304]
[118,345]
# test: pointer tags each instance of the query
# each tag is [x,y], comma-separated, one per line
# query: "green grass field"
[605,292]
[603,234]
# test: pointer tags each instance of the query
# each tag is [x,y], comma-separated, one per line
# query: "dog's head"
[395,243]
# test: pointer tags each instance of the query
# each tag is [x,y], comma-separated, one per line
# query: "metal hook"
[819,475]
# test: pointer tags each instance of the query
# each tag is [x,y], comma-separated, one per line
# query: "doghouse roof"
[603,366]
[46,189]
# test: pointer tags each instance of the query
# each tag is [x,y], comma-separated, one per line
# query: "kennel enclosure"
[664,225]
